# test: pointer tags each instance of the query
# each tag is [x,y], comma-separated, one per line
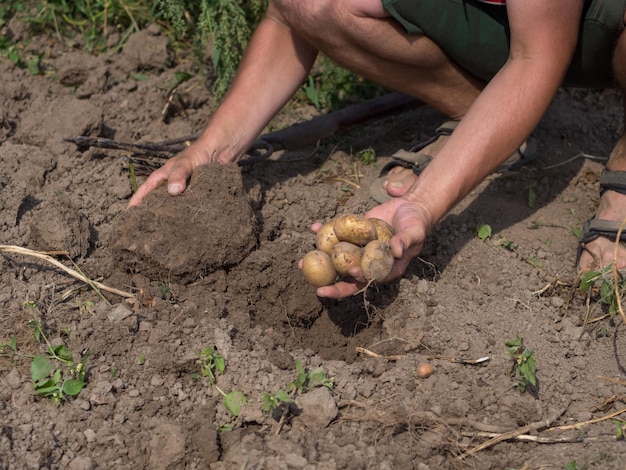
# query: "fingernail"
[396,184]
[174,188]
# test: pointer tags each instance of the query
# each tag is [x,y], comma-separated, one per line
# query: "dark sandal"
[594,228]
[417,161]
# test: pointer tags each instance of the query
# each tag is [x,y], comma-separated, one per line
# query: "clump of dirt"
[210,226]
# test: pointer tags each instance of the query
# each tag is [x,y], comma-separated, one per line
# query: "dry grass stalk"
[45,255]
[616,273]
[513,434]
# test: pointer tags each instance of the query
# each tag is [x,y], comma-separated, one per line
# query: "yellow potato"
[318,269]
[355,229]
[345,255]
[384,231]
[424,370]
[325,238]
[377,260]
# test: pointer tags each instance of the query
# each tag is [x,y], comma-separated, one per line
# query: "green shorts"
[476,36]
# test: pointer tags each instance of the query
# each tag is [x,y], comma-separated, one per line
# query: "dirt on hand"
[217,268]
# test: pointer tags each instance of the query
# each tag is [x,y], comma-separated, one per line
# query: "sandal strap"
[443,130]
[613,181]
[595,228]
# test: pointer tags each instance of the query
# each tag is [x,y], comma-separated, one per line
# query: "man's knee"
[321,14]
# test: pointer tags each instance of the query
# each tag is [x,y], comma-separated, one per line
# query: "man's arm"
[543,39]
[274,65]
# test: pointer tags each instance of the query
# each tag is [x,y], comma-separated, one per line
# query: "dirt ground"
[218,267]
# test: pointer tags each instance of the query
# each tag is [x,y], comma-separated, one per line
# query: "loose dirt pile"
[218,268]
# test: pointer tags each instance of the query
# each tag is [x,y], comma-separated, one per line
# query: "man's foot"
[401,173]
[600,252]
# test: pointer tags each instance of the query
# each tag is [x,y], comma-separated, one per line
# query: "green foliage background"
[225,24]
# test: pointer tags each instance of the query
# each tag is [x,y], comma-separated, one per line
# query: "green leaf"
[48,389]
[220,364]
[484,232]
[233,402]
[301,376]
[312,93]
[62,352]
[577,232]
[282,396]
[268,402]
[40,368]
[528,367]
[514,345]
[317,377]
[73,387]
[180,77]
[588,279]
[33,65]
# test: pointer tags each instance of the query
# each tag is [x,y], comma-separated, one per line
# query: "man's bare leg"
[601,251]
[360,36]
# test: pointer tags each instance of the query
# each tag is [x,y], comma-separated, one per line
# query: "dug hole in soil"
[217,267]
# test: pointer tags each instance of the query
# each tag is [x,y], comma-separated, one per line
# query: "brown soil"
[218,267]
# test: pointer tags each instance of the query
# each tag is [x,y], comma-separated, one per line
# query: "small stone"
[81,463]
[13,379]
[318,407]
[119,313]
[90,435]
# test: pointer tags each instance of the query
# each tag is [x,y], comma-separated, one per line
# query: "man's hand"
[411,224]
[176,172]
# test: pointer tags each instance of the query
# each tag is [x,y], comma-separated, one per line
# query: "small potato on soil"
[318,268]
[384,231]
[377,260]
[424,370]
[325,238]
[344,256]
[356,229]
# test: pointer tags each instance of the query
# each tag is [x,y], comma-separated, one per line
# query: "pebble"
[90,435]
[119,313]
[81,463]
[318,407]
[13,379]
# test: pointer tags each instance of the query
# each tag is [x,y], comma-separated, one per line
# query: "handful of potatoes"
[346,241]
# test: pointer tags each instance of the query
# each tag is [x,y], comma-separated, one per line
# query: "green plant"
[228,22]
[55,375]
[524,363]
[367,156]
[620,432]
[484,231]
[212,362]
[94,20]
[307,380]
[508,245]
[610,293]
[303,382]
[271,402]
[332,87]
[9,346]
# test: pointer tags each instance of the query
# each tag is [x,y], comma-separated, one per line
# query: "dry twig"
[616,273]
[591,421]
[46,256]
[369,353]
[513,434]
